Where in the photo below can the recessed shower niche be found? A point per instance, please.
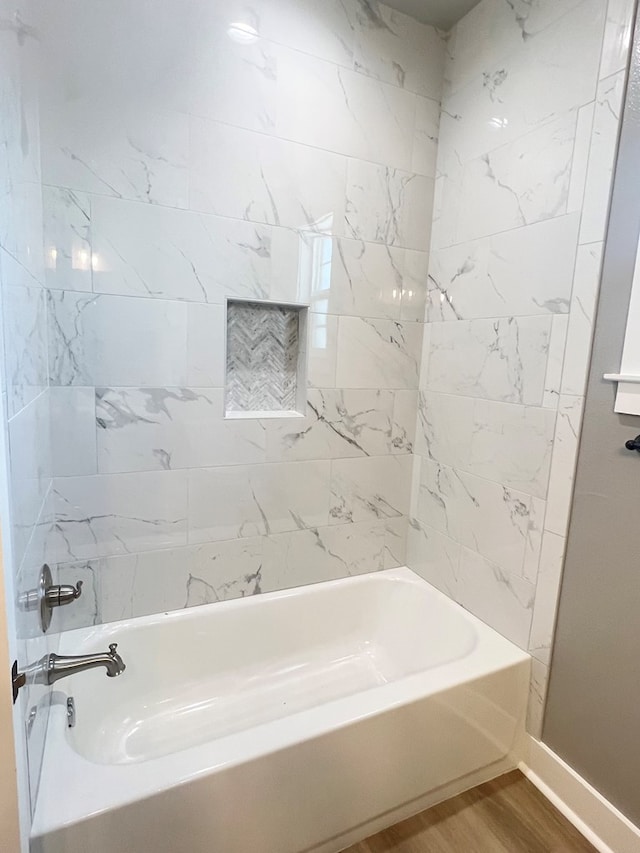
(266, 359)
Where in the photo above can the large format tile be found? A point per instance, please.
(506, 443)
(330, 107)
(378, 353)
(338, 423)
(143, 155)
(504, 102)
(67, 239)
(398, 49)
(484, 516)
(525, 271)
(387, 205)
(374, 488)
(245, 175)
(30, 470)
(434, 556)
(250, 500)
(115, 340)
(146, 429)
(25, 344)
(522, 182)
(494, 30)
(366, 280)
(73, 431)
(503, 359)
(500, 599)
(161, 252)
(118, 514)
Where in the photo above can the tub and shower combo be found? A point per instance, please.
(300, 720)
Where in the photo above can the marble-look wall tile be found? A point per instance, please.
(235, 83)
(330, 107)
(262, 179)
(339, 423)
(580, 164)
(493, 31)
(617, 37)
(73, 431)
(503, 600)
(405, 411)
(205, 346)
(586, 284)
(322, 348)
(25, 344)
(537, 698)
(142, 156)
(29, 469)
(525, 271)
(150, 345)
(518, 184)
(434, 556)
(326, 553)
(483, 516)
(547, 593)
(330, 36)
(393, 47)
(374, 488)
(254, 500)
(161, 252)
(503, 359)
(425, 144)
(503, 102)
(147, 429)
(118, 513)
(299, 168)
(563, 463)
(67, 239)
(606, 125)
(555, 360)
(387, 205)
(415, 286)
(141, 584)
(377, 353)
(132, 585)
(366, 280)
(486, 438)
(533, 547)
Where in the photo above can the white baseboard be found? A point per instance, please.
(596, 818)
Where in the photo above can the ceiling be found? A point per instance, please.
(441, 13)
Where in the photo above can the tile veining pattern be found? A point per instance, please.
(262, 357)
(297, 166)
(528, 129)
(25, 466)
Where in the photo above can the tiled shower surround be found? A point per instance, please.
(296, 167)
(299, 167)
(529, 124)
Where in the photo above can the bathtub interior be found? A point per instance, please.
(195, 677)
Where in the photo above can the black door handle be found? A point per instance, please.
(633, 444)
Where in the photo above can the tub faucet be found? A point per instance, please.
(52, 668)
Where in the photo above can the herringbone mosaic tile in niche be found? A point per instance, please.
(262, 357)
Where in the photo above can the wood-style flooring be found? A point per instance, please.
(507, 815)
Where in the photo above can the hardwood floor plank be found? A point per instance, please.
(506, 815)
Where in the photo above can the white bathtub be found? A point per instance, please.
(293, 721)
